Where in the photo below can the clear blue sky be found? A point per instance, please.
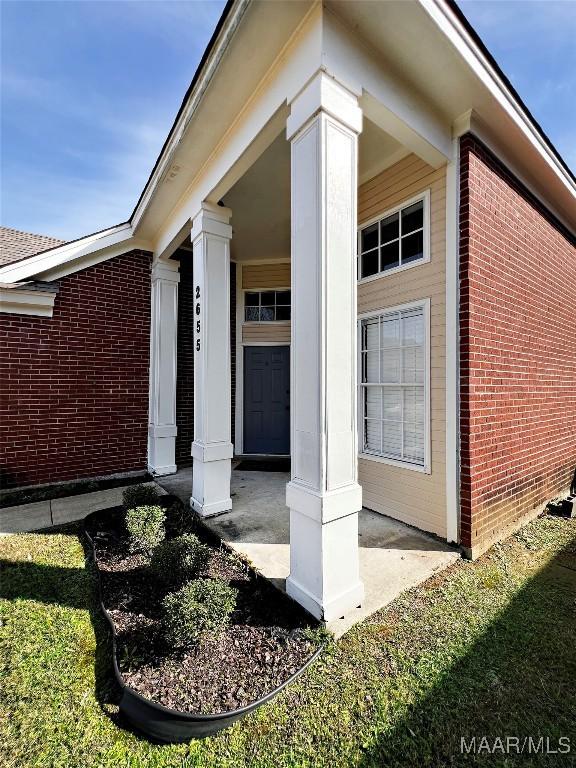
(90, 89)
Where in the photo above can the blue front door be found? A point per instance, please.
(267, 400)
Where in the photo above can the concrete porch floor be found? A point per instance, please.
(393, 556)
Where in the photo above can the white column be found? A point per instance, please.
(162, 401)
(212, 447)
(323, 495)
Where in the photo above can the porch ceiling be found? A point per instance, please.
(260, 204)
(260, 200)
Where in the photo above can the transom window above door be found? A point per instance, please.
(397, 240)
(266, 306)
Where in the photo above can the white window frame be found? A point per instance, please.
(264, 322)
(425, 468)
(423, 197)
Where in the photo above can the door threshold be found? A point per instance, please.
(241, 456)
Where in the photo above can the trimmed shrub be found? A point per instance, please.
(179, 519)
(176, 561)
(199, 608)
(145, 526)
(140, 496)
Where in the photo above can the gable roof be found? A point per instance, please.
(16, 245)
(449, 7)
(460, 15)
(125, 234)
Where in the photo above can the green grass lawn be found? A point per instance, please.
(486, 648)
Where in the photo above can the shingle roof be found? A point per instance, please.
(16, 245)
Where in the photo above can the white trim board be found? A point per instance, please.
(72, 257)
(340, 56)
(19, 301)
(452, 383)
(471, 123)
(452, 27)
(179, 128)
(239, 385)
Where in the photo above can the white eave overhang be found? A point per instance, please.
(216, 50)
(559, 193)
(72, 257)
(30, 298)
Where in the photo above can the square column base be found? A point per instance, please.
(161, 453)
(211, 487)
(336, 608)
(170, 469)
(324, 564)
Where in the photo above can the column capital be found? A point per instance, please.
(211, 220)
(323, 93)
(166, 270)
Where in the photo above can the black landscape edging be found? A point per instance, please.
(163, 724)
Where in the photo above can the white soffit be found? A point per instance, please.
(451, 71)
(246, 51)
(71, 257)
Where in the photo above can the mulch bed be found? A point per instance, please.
(265, 643)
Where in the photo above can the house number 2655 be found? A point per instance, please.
(197, 310)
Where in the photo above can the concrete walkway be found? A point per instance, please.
(44, 514)
(393, 556)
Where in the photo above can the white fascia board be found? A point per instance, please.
(90, 259)
(387, 100)
(470, 122)
(218, 50)
(453, 29)
(19, 301)
(46, 263)
(294, 66)
(71, 257)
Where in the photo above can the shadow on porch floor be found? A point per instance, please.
(393, 556)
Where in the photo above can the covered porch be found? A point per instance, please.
(270, 230)
(393, 557)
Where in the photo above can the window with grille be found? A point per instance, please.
(266, 306)
(393, 385)
(398, 239)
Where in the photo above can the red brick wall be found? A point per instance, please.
(74, 387)
(518, 350)
(185, 363)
